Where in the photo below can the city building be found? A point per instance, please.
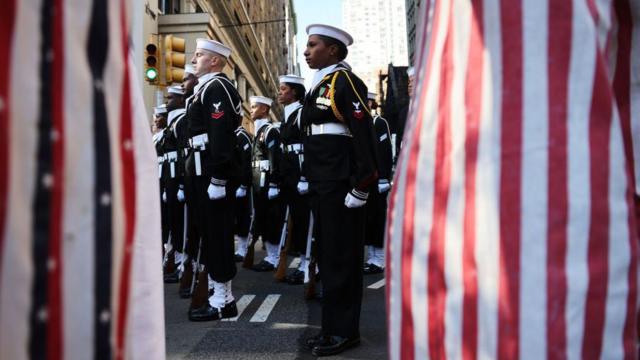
(261, 34)
(412, 19)
(378, 29)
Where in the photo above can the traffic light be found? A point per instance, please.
(175, 58)
(151, 63)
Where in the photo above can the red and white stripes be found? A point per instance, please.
(511, 225)
(87, 306)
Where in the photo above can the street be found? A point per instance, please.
(273, 321)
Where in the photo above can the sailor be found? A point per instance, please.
(294, 184)
(243, 193)
(340, 165)
(377, 202)
(213, 115)
(159, 124)
(267, 202)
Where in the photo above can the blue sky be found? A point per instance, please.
(312, 12)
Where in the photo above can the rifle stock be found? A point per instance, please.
(285, 238)
(310, 288)
(187, 277)
(247, 263)
(201, 292)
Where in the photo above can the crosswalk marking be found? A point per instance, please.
(242, 304)
(265, 308)
(377, 284)
(295, 263)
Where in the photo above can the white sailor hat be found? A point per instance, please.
(189, 69)
(290, 78)
(330, 31)
(261, 100)
(371, 95)
(159, 110)
(213, 46)
(411, 71)
(175, 90)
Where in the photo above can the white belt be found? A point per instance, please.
(171, 156)
(264, 165)
(294, 148)
(199, 142)
(330, 129)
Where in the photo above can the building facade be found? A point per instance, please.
(261, 34)
(412, 7)
(378, 29)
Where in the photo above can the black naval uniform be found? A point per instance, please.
(243, 204)
(268, 214)
(213, 116)
(377, 202)
(339, 160)
(291, 166)
(158, 140)
(174, 178)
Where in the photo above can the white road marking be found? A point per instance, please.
(242, 304)
(376, 285)
(265, 308)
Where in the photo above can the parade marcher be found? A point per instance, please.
(189, 81)
(267, 202)
(340, 166)
(213, 114)
(173, 194)
(159, 124)
(294, 184)
(243, 198)
(377, 201)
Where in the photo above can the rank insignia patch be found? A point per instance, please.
(357, 112)
(218, 113)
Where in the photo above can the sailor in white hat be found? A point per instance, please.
(341, 168)
(377, 201)
(189, 80)
(213, 114)
(294, 184)
(267, 203)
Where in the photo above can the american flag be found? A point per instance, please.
(80, 272)
(511, 227)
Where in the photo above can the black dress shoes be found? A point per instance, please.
(263, 266)
(238, 258)
(295, 278)
(370, 269)
(209, 313)
(313, 341)
(332, 345)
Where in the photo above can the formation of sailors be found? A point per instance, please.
(313, 185)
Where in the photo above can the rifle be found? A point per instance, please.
(200, 294)
(169, 262)
(310, 271)
(248, 258)
(187, 268)
(284, 245)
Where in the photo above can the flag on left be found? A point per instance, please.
(80, 272)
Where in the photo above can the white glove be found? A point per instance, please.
(241, 192)
(273, 192)
(180, 194)
(216, 192)
(164, 195)
(303, 186)
(383, 186)
(355, 199)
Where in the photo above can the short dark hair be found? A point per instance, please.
(298, 89)
(342, 48)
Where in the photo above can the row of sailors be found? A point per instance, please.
(325, 168)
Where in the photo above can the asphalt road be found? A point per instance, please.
(272, 326)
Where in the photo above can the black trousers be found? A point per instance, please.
(193, 224)
(175, 212)
(243, 215)
(268, 217)
(376, 218)
(164, 213)
(215, 222)
(340, 232)
(299, 211)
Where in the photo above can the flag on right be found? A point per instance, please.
(512, 228)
